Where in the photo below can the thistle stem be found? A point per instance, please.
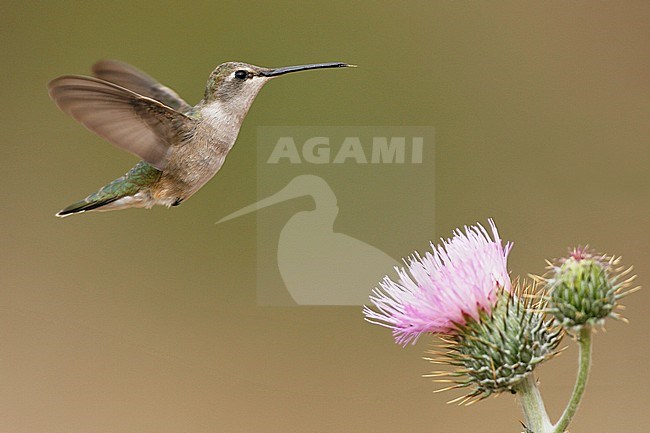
(584, 343)
(532, 405)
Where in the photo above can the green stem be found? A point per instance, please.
(584, 342)
(532, 405)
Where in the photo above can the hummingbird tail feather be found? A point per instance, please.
(126, 191)
(85, 205)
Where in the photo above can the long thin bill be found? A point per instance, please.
(288, 69)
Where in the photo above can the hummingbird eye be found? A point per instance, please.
(241, 74)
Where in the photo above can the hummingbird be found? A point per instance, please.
(181, 146)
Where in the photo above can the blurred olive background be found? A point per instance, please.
(147, 320)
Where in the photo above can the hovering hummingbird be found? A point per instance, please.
(181, 146)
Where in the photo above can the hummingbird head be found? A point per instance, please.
(236, 84)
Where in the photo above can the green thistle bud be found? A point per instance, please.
(495, 352)
(584, 288)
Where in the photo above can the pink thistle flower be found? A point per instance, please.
(455, 281)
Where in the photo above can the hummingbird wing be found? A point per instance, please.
(134, 79)
(135, 123)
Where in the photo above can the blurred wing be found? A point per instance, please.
(134, 79)
(133, 122)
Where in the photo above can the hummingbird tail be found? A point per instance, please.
(85, 205)
(121, 193)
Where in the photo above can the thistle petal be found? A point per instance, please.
(440, 291)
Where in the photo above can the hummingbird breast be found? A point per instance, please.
(193, 162)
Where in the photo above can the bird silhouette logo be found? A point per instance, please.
(318, 265)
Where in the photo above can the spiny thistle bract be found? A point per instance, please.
(583, 288)
(495, 352)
